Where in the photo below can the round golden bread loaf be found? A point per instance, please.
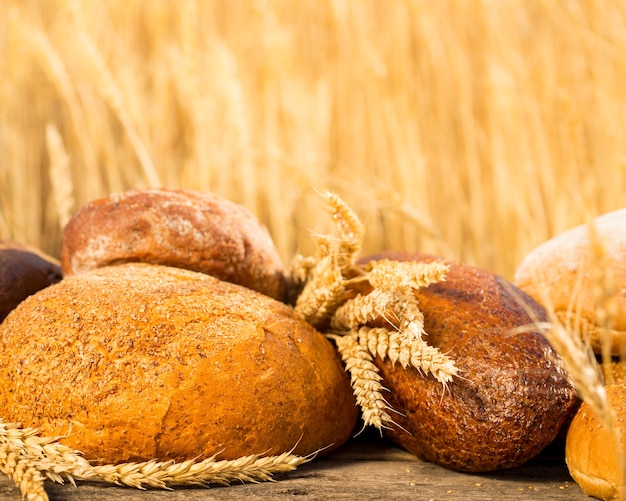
(562, 272)
(591, 452)
(198, 231)
(23, 271)
(138, 361)
(510, 398)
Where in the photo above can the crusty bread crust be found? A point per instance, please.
(138, 361)
(24, 270)
(511, 396)
(560, 274)
(199, 231)
(590, 449)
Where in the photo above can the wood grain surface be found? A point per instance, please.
(367, 468)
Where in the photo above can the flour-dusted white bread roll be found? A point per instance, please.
(138, 361)
(195, 230)
(591, 451)
(561, 271)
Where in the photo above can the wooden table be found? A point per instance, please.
(367, 468)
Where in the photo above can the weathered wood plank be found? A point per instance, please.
(366, 469)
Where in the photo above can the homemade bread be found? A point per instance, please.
(591, 451)
(23, 271)
(187, 229)
(138, 361)
(561, 274)
(511, 396)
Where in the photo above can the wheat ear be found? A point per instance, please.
(364, 378)
(251, 468)
(362, 309)
(405, 275)
(351, 230)
(322, 293)
(29, 459)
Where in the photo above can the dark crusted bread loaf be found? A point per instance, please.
(138, 361)
(23, 271)
(194, 230)
(511, 396)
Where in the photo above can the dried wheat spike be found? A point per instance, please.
(407, 316)
(324, 246)
(408, 351)
(427, 359)
(375, 339)
(301, 268)
(20, 467)
(403, 341)
(409, 347)
(386, 274)
(30, 481)
(365, 380)
(351, 231)
(322, 302)
(322, 293)
(252, 468)
(363, 309)
(393, 352)
(27, 458)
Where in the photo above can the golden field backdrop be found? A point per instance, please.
(473, 129)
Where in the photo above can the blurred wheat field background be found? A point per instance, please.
(474, 129)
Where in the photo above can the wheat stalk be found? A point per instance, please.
(365, 380)
(604, 294)
(155, 474)
(328, 299)
(28, 459)
(570, 342)
(322, 293)
(376, 340)
(363, 309)
(406, 275)
(351, 230)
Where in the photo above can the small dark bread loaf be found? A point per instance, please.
(511, 396)
(194, 230)
(137, 361)
(23, 271)
(562, 273)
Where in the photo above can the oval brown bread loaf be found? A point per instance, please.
(24, 270)
(188, 229)
(591, 453)
(511, 396)
(563, 272)
(138, 361)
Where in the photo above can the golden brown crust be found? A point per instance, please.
(187, 229)
(511, 397)
(23, 271)
(590, 449)
(561, 272)
(614, 372)
(140, 361)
